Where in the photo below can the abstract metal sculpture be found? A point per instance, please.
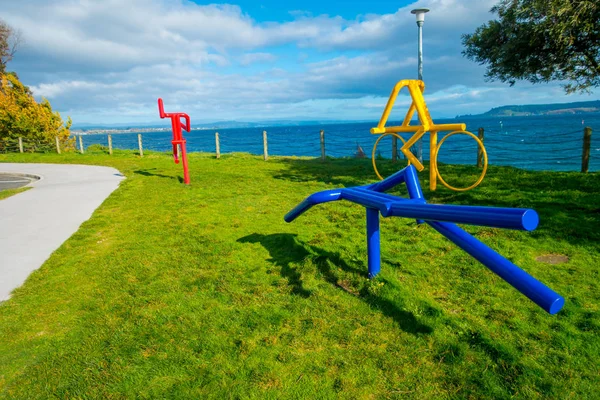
(442, 218)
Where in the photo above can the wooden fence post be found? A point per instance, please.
(265, 146)
(81, 144)
(57, 144)
(587, 143)
(323, 157)
(140, 145)
(20, 144)
(394, 149)
(110, 145)
(217, 145)
(479, 152)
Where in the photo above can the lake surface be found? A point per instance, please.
(536, 143)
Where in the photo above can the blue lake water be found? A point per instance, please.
(536, 142)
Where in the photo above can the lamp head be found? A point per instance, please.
(420, 13)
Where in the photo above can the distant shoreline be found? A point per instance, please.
(492, 114)
(128, 130)
(532, 110)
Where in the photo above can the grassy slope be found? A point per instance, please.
(204, 291)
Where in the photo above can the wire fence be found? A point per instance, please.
(24, 145)
(535, 149)
(555, 151)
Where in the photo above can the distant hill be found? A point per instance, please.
(582, 107)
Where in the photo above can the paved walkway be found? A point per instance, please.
(35, 223)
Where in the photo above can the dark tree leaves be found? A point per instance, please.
(540, 41)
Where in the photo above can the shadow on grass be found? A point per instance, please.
(146, 172)
(568, 202)
(340, 172)
(285, 249)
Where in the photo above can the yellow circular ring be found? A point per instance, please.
(485, 161)
(375, 148)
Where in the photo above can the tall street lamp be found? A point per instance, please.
(420, 14)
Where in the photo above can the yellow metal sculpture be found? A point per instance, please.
(416, 88)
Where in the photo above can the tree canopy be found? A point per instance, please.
(10, 40)
(21, 116)
(540, 41)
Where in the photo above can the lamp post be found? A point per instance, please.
(420, 14)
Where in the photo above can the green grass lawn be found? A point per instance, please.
(6, 193)
(203, 291)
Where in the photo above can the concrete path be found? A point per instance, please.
(33, 224)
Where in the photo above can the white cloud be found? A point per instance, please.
(113, 34)
(113, 59)
(251, 58)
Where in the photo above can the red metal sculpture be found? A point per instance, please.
(178, 139)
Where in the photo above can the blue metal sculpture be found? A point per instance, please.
(442, 219)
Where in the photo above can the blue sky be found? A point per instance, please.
(107, 61)
(284, 10)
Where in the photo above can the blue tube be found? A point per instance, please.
(386, 197)
(412, 183)
(413, 186)
(495, 217)
(390, 181)
(373, 243)
(536, 291)
(407, 175)
(314, 199)
(367, 199)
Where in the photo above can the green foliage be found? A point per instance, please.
(21, 116)
(172, 291)
(540, 41)
(97, 148)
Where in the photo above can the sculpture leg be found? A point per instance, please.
(186, 173)
(175, 151)
(373, 245)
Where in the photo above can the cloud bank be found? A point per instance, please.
(108, 61)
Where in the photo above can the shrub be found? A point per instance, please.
(22, 116)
